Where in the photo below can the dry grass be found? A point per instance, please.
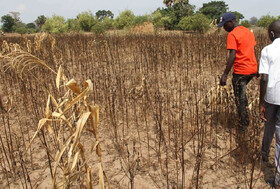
(145, 28)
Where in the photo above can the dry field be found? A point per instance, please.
(132, 111)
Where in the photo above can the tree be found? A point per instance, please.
(167, 2)
(157, 19)
(102, 26)
(265, 21)
(21, 30)
(214, 9)
(175, 2)
(181, 6)
(108, 23)
(98, 28)
(55, 24)
(101, 14)
(8, 23)
(15, 16)
(253, 20)
(86, 20)
(19, 27)
(40, 21)
(169, 18)
(246, 24)
(124, 20)
(174, 12)
(30, 26)
(141, 19)
(73, 25)
(197, 22)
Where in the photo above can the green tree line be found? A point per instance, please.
(176, 15)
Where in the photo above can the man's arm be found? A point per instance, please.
(263, 86)
(230, 62)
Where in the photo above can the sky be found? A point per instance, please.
(31, 9)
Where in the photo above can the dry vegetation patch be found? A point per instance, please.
(163, 120)
(145, 28)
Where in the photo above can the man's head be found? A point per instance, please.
(228, 21)
(274, 30)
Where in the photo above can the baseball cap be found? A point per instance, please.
(225, 18)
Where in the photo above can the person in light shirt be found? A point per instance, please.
(269, 69)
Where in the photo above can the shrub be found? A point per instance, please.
(157, 19)
(265, 21)
(73, 25)
(108, 23)
(197, 22)
(102, 26)
(31, 25)
(246, 24)
(21, 30)
(86, 20)
(98, 28)
(8, 23)
(138, 20)
(31, 30)
(124, 20)
(55, 24)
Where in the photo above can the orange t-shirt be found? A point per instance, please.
(243, 41)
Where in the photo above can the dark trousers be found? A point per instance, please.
(239, 83)
(272, 115)
(272, 125)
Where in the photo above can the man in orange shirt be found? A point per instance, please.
(241, 45)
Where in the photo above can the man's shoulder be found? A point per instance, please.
(241, 29)
(271, 50)
(268, 48)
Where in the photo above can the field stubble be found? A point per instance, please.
(164, 121)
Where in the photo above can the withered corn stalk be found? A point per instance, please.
(73, 117)
(66, 120)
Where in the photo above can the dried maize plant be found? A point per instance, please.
(8, 48)
(23, 62)
(5, 47)
(39, 39)
(44, 47)
(253, 103)
(67, 121)
(218, 95)
(29, 46)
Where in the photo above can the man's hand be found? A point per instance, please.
(262, 112)
(223, 80)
